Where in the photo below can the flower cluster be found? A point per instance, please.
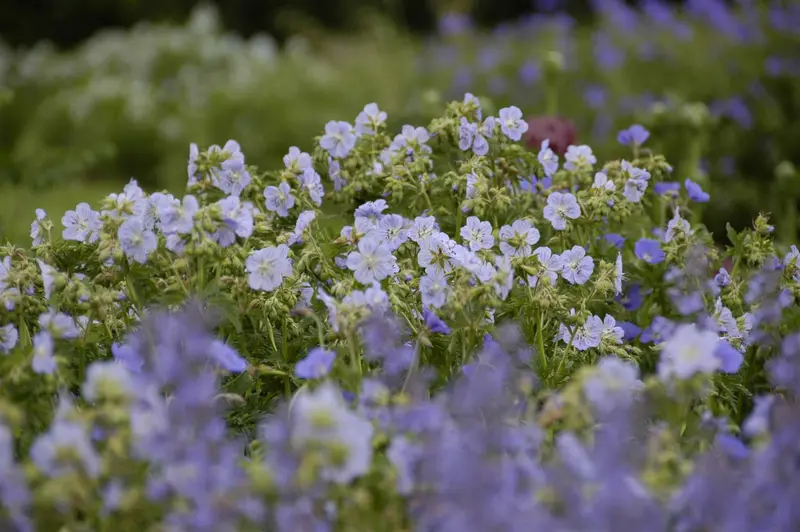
(346, 295)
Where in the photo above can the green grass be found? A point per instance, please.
(18, 206)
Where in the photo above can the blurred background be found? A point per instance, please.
(93, 93)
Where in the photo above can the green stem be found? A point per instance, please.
(287, 382)
(540, 338)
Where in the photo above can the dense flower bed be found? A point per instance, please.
(501, 339)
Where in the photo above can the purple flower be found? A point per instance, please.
(547, 158)
(279, 199)
(339, 139)
(372, 262)
(722, 278)
(612, 384)
(649, 251)
(303, 221)
(630, 330)
(517, 238)
(477, 234)
(635, 135)
(37, 228)
(311, 183)
(316, 365)
(696, 193)
(370, 119)
(297, 161)
(511, 123)
(561, 206)
(577, 266)
(83, 224)
(267, 267)
(579, 158)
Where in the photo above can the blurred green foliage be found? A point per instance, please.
(127, 103)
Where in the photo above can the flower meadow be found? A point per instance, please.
(436, 328)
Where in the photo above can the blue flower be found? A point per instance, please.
(635, 135)
(696, 193)
(8, 338)
(279, 199)
(316, 365)
(561, 206)
(667, 188)
(577, 266)
(511, 123)
(339, 139)
(391, 231)
(226, 357)
(730, 358)
(372, 262)
(615, 240)
(649, 251)
(137, 241)
(237, 220)
(434, 323)
(267, 267)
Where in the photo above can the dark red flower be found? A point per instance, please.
(560, 131)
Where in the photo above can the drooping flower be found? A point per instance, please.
(696, 193)
(634, 136)
(37, 229)
(310, 182)
(267, 267)
(547, 158)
